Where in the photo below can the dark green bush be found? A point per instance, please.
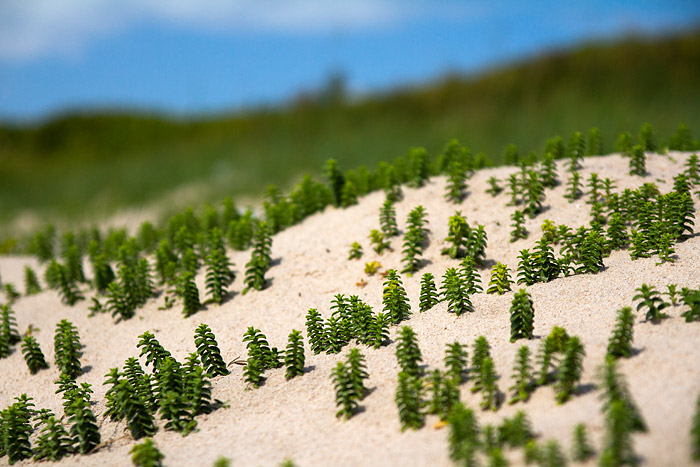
(53, 442)
(260, 259)
(454, 292)
(67, 349)
(394, 299)
(581, 449)
(16, 429)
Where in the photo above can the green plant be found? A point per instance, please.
(387, 219)
(494, 188)
(219, 274)
(573, 187)
(379, 241)
(458, 232)
(456, 182)
(581, 449)
(358, 371)
(127, 403)
(372, 267)
(315, 331)
(618, 448)
(378, 331)
(533, 194)
(150, 347)
(463, 436)
(476, 246)
(500, 280)
(649, 298)
(692, 299)
(8, 330)
(482, 350)
(258, 348)
(67, 349)
(617, 233)
(414, 239)
(595, 142)
(455, 361)
(74, 264)
(444, 394)
(614, 389)
(548, 171)
(83, 428)
(346, 395)
(638, 161)
(31, 283)
(409, 401)
(259, 260)
(53, 442)
(519, 230)
(146, 454)
(570, 369)
(620, 343)
(208, 351)
(294, 355)
(70, 294)
(454, 292)
(355, 251)
(428, 292)
(514, 190)
(253, 372)
(33, 354)
(489, 388)
(522, 316)
(348, 195)
(551, 455)
(546, 357)
(11, 293)
(646, 137)
(695, 433)
(544, 262)
(692, 169)
(522, 376)
(575, 151)
(394, 299)
(187, 289)
(516, 431)
(407, 352)
(16, 429)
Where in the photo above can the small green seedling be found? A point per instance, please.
(581, 449)
(294, 355)
(146, 454)
(409, 401)
(428, 292)
(522, 376)
(208, 351)
(522, 316)
(33, 355)
(649, 298)
(355, 251)
(620, 343)
(500, 281)
(407, 352)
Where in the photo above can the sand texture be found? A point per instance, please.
(296, 419)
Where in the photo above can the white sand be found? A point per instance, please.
(295, 419)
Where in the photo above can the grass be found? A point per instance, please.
(82, 165)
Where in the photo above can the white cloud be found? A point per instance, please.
(31, 29)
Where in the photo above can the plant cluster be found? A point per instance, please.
(348, 379)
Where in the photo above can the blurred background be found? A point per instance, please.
(108, 106)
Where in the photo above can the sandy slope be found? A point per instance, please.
(296, 419)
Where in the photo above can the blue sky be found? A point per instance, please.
(201, 56)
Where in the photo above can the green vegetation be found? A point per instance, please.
(428, 292)
(146, 454)
(522, 316)
(208, 351)
(522, 376)
(456, 361)
(67, 349)
(355, 251)
(414, 240)
(581, 449)
(454, 292)
(294, 355)
(570, 369)
(649, 298)
(620, 343)
(409, 401)
(33, 355)
(407, 352)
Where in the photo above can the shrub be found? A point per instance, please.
(358, 371)
(407, 352)
(500, 280)
(581, 449)
(519, 230)
(522, 316)
(428, 292)
(617, 233)
(590, 254)
(378, 331)
(620, 343)
(387, 219)
(189, 293)
(546, 358)
(692, 169)
(294, 355)
(355, 251)
(409, 402)
(259, 349)
(522, 376)
(348, 195)
(394, 298)
(33, 355)
(315, 331)
(526, 268)
(514, 190)
(649, 298)
(132, 407)
(31, 283)
(476, 246)
(454, 292)
(208, 351)
(455, 361)
(253, 372)
(146, 454)
(570, 370)
(543, 261)
(419, 168)
(67, 349)
(260, 259)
